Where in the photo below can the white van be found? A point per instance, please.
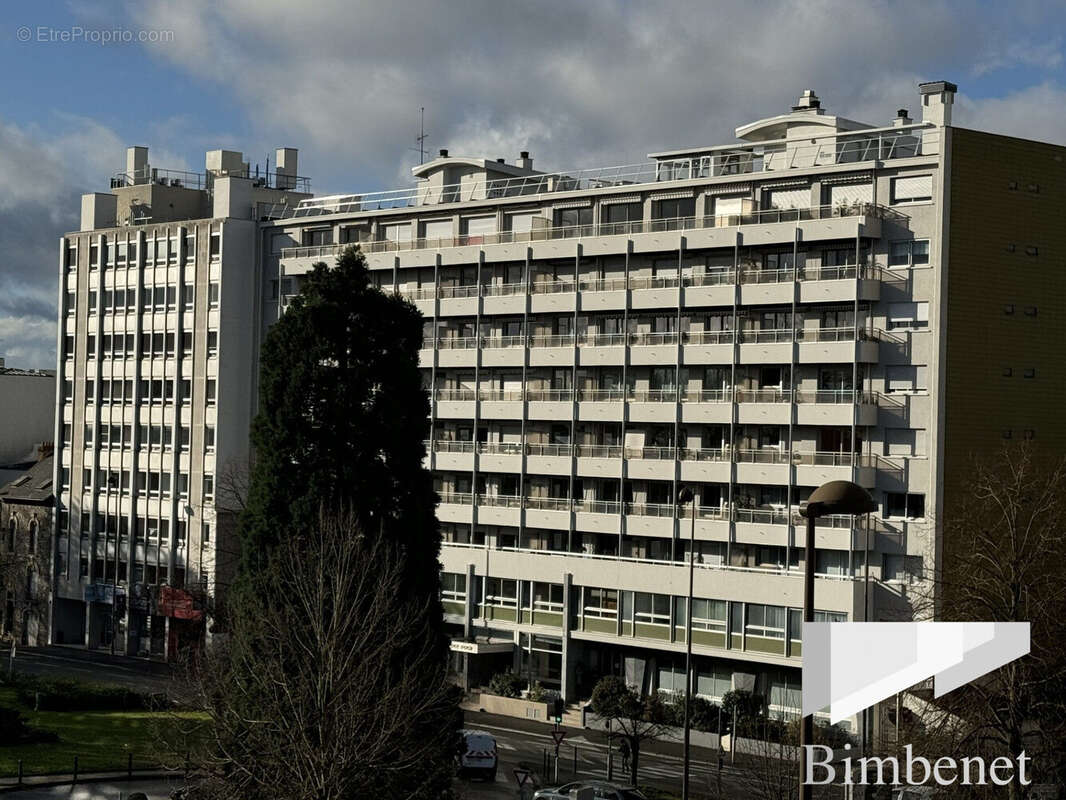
(478, 755)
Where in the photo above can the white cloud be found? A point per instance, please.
(1036, 112)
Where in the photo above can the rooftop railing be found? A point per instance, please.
(852, 148)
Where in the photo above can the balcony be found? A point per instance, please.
(836, 407)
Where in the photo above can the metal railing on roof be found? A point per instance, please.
(853, 148)
(551, 233)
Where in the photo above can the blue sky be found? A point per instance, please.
(577, 83)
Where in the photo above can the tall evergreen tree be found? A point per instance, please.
(342, 420)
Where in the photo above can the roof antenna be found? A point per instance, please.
(422, 136)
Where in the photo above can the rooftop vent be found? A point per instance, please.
(902, 113)
(524, 161)
(808, 101)
(443, 153)
(501, 161)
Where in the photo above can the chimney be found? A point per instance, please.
(808, 101)
(443, 152)
(937, 99)
(902, 118)
(524, 161)
(500, 161)
(137, 164)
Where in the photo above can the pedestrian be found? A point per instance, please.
(623, 751)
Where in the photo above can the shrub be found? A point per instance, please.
(63, 694)
(506, 684)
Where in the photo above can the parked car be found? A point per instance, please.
(478, 755)
(601, 790)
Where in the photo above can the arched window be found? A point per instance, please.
(34, 527)
(11, 528)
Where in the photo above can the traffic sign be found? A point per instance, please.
(522, 776)
(558, 736)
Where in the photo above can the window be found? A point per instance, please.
(1030, 311)
(1007, 372)
(187, 295)
(1008, 309)
(71, 304)
(479, 226)
(906, 253)
(1032, 250)
(616, 213)
(573, 217)
(601, 603)
(765, 621)
(212, 295)
(1029, 372)
(453, 587)
(908, 315)
(215, 248)
(209, 487)
(787, 198)
(651, 609)
(318, 237)
(210, 391)
(901, 569)
(501, 592)
(209, 438)
(212, 344)
(68, 346)
(675, 208)
(912, 189)
(709, 615)
(906, 506)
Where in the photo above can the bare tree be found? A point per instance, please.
(1005, 561)
(331, 684)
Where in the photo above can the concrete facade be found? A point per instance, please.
(27, 413)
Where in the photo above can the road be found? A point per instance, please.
(522, 744)
(94, 666)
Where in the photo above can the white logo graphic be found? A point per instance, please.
(849, 666)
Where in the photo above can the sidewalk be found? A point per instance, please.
(45, 781)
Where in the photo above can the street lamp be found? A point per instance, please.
(834, 497)
(686, 495)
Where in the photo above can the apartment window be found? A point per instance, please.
(319, 237)
(709, 615)
(1008, 309)
(71, 304)
(212, 295)
(183, 484)
(906, 253)
(453, 587)
(70, 259)
(573, 217)
(68, 346)
(1028, 434)
(906, 506)
(183, 438)
(614, 213)
(1030, 311)
(651, 609)
(185, 391)
(901, 569)
(210, 391)
(601, 603)
(206, 532)
(765, 621)
(1032, 250)
(431, 229)
(212, 344)
(912, 189)
(396, 232)
(209, 487)
(66, 434)
(186, 343)
(1030, 372)
(908, 315)
(215, 248)
(92, 302)
(68, 391)
(1007, 372)
(209, 438)
(187, 295)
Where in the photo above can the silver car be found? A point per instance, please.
(601, 790)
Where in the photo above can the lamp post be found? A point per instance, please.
(834, 497)
(686, 495)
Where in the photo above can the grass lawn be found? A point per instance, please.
(102, 740)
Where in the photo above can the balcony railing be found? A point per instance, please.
(762, 455)
(636, 227)
(602, 339)
(549, 449)
(599, 451)
(765, 335)
(773, 395)
(501, 448)
(641, 339)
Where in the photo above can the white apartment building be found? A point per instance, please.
(156, 374)
(750, 320)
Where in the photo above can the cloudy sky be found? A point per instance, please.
(578, 83)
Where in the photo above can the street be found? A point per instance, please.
(522, 744)
(91, 666)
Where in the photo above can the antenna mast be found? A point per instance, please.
(422, 136)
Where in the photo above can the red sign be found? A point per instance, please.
(176, 603)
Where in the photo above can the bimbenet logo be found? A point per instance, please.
(850, 666)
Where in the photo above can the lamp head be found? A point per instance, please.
(838, 497)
